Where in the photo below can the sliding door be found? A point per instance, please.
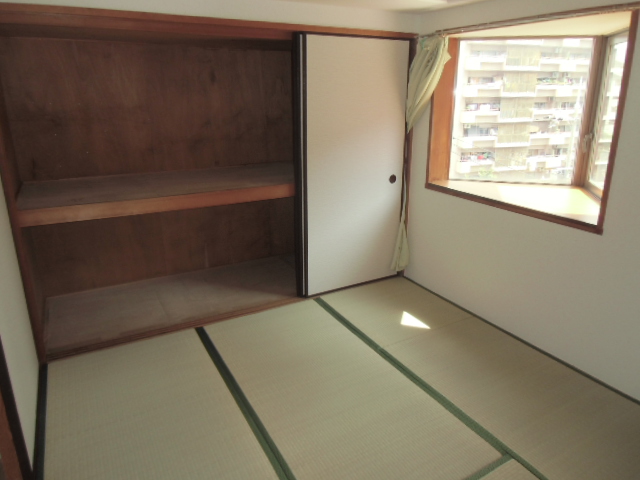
(351, 131)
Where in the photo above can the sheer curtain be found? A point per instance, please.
(424, 75)
(401, 252)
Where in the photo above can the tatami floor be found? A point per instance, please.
(382, 381)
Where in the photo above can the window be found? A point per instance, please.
(529, 122)
(608, 102)
(527, 114)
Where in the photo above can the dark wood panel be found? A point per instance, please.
(108, 108)
(277, 89)
(107, 316)
(101, 34)
(79, 256)
(85, 21)
(8, 166)
(281, 227)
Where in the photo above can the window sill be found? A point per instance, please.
(566, 205)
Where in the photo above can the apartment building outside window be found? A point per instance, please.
(535, 90)
(531, 110)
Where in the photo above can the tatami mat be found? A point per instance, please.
(336, 409)
(566, 425)
(155, 409)
(387, 304)
(511, 470)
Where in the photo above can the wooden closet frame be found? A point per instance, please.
(13, 449)
(39, 21)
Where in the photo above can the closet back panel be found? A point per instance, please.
(84, 108)
(72, 257)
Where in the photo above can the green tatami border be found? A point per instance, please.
(492, 467)
(482, 432)
(269, 447)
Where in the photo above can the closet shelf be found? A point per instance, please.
(91, 198)
(107, 316)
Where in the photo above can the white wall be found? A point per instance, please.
(574, 294)
(262, 10)
(15, 330)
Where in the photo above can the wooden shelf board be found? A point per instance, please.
(78, 199)
(108, 316)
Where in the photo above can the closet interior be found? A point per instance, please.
(149, 179)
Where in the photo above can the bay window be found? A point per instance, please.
(530, 122)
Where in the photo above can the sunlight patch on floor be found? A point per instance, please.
(409, 320)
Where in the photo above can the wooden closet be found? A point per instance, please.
(150, 179)
(148, 166)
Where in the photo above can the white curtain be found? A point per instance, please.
(401, 252)
(424, 74)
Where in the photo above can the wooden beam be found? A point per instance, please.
(441, 122)
(84, 21)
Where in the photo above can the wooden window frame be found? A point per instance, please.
(590, 151)
(441, 127)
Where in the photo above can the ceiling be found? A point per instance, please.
(393, 5)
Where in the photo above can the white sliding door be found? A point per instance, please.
(355, 130)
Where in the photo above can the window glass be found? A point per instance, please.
(607, 110)
(518, 109)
